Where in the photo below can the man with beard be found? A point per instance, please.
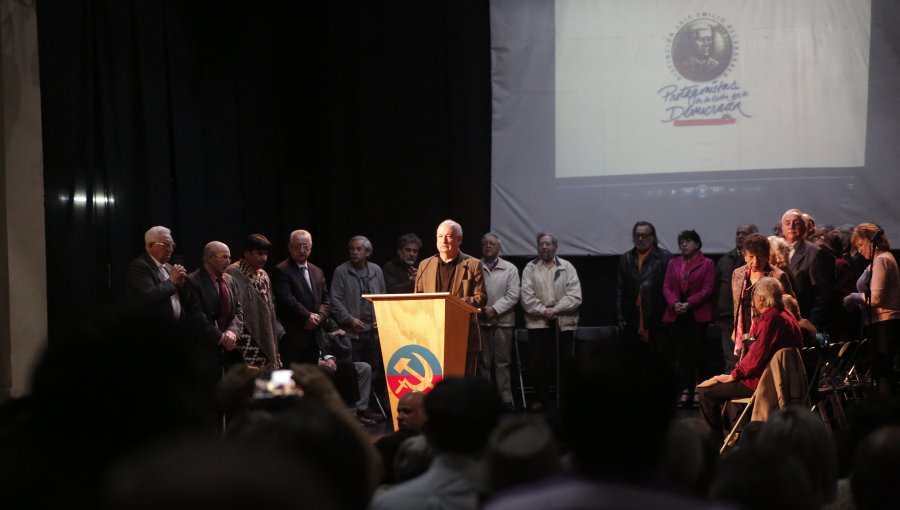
(551, 296)
(400, 271)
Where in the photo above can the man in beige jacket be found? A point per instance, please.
(551, 295)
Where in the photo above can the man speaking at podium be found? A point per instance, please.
(457, 273)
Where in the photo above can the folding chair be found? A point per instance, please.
(783, 383)
(839, 382)
(584, 336)
(747, 402)
(520, 336)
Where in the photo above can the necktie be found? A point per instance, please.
(304, 271)
(224, 305)
(174, 298)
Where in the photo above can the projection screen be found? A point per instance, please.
(691, 114)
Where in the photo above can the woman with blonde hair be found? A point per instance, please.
(780, 254)
(878, 300)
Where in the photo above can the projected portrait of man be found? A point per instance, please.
(694, 50)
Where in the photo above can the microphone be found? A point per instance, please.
(419, 275)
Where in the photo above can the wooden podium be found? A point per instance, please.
(424, 338)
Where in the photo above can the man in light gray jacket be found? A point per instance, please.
(498, 317)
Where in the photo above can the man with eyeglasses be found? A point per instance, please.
(639, 297)
(302, 302)
(156, 287)
(216, 296)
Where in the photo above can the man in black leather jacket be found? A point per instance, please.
(639, 298)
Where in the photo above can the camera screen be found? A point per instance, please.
(278, 383)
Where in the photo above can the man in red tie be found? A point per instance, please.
(215, 294)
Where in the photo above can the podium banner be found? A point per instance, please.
(423, 340)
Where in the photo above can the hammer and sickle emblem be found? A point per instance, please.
(425, 380)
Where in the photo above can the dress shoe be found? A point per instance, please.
(371, 415)
(364, 420)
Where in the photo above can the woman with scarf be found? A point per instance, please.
(756, 251)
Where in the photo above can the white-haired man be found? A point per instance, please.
(155, 286)
(453, 271)
(812, 269)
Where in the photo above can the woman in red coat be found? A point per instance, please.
(688, 287)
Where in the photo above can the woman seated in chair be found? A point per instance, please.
(774, 329)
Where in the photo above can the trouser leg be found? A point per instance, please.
(486, 356)
(713, 398)
(540, 350)
(502, 339)
(364, 383)
(725, 331)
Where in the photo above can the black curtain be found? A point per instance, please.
(220, 118)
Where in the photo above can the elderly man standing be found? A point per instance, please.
(354, 314)
(258, 342)
(457, 273)
(156, 287)
(551, 296)
(498, 318)
(400, 271)
(301, 302)
(216, 297)
(812, 269)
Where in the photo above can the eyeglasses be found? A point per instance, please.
(641, 237)
(164, 245)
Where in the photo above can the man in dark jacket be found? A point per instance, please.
(639, 299)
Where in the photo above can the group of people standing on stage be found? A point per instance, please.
(269, 320)
(292, 314)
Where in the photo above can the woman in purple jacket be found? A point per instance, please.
(688, 288)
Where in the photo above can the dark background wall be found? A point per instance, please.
(221, 118)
